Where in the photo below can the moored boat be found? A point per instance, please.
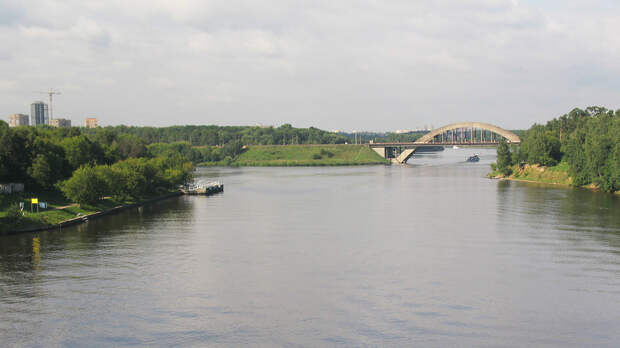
(474, 158)
(203, 189)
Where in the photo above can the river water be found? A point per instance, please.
(428, 254)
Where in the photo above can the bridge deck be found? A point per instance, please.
(488, 143)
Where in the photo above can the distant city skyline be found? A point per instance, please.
(366, 65)
(40, 115)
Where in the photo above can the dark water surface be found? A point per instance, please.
(431, 254)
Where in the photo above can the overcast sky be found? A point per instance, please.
(334, 64)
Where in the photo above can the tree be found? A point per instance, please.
(541, 146)
(86, 185)
(80, 150)
(574, 155)
(504, 158)
(599, 149)
(232, 149)
(41, 171)
(129, 145)
(5, 140)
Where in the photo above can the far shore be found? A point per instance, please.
(303, 156)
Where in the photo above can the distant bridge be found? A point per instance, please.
(459, 134)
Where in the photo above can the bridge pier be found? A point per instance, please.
(388, 152)
(380, 151)
(404, 156)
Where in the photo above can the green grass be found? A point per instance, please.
(558, 174)
(52, 215)
(308, 155)
(552, 175)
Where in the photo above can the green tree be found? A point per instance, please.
(504, 158)
(599, 151)
(232, 149)
(130, 145)
(5, 140)
(574, 155)
(541, 147)
(86, 185)
(80, 150)
(41, 172)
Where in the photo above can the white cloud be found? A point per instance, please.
(332, 64)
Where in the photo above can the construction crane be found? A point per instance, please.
(50, 93)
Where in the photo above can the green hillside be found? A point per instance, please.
(308, 155)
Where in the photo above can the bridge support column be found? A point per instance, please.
(404, 156)
(380, 151)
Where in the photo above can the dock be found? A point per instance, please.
(203, 189)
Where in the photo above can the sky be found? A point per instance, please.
(336, 65)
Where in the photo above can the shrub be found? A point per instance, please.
(13, 215)
(327, 153)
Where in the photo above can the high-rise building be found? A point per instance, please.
(91, 122)
(39, 113)
(17, 120)
(60, 122)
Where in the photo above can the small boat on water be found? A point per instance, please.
(474, 158)
(203, 189)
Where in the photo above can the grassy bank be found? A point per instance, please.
(59, 210)
(305, 155)
(557, 175)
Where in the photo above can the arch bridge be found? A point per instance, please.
(464, 134)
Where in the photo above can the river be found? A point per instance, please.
(427, 254)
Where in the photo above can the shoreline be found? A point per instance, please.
(535, 182)
(590, 187)
(96, 215)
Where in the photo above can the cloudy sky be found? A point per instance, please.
(334, 64)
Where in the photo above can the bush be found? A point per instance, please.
(316, 156)
(327, 153)
(13, 215)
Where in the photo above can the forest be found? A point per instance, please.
(211, 135)
(41, 157)
(586, 141)
(221, 135)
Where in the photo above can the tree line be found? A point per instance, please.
(211, 135)
(588, 141)
(221, 135)
(87, 167)
(45, 158)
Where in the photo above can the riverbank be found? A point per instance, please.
(304, 155)
(555, 175)
(75, 214)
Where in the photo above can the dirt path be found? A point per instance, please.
(66, 206)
